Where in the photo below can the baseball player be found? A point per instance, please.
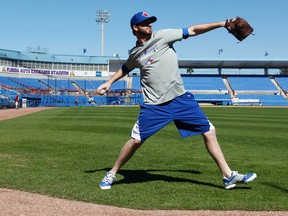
(165, 99)
(16, 99)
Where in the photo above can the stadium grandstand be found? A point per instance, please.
(44, 79)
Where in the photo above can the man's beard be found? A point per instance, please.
(145, 34)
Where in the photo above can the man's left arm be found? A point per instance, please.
(203, 28)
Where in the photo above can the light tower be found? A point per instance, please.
(102, 16)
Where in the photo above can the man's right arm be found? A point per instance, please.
(118, 75)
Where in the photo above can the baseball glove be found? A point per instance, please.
(238, 27)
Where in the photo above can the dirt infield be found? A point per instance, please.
(13, 113)
(19, 203)
(16, 203)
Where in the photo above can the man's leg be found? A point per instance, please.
(230, 178)
(216, 153)
(125, 154)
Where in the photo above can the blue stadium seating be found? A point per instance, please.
(7, 81)
(120, 84)
(264, 99)
(218, 99)
(31, 83)
(251, 83)
(283, 82)
(203, 83)
(85, 85)
(206, 89)
(136, 83)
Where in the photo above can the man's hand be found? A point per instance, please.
(102, 89)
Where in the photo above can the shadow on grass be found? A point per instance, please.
(142, 176)
(282, 189)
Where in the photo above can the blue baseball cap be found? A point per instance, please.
(141, 17)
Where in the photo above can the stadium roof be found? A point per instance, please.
(248, 64)
(273, 64)
(46, 57)
(114, 62)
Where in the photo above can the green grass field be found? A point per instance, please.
(65, 153)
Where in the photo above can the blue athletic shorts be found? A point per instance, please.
(183, 110)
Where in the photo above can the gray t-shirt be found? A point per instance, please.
(158, 63)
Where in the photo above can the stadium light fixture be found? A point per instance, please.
(102, 16)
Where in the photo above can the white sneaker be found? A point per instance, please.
(238, 178)
(107, 181)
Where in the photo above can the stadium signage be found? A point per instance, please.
(34, 71)
(46, 72)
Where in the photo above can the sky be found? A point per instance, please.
(68, 26)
